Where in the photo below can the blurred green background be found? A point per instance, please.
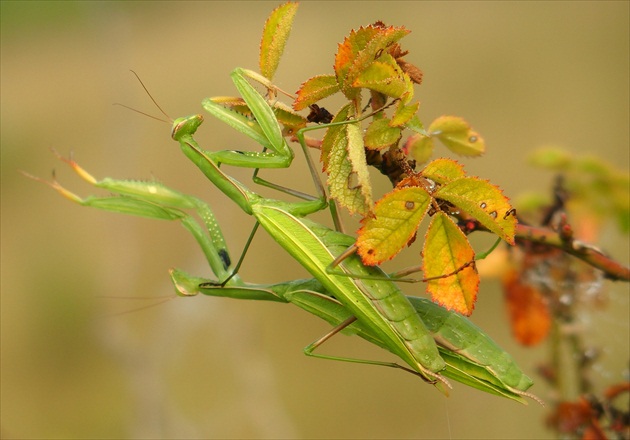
(524, 74)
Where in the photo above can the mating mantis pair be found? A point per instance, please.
(365, 300)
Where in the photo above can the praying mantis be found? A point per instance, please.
(379, 304)
(374, 309)
(472, 357)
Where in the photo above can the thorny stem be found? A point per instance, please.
(533, 235)
(612, 269)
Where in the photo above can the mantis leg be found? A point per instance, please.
(153, 200)
(310, 351)
(456, 335)
(157, 201)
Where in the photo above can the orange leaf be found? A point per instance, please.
(528, 311)
(448, 262)
(569, 417)
(360, 49)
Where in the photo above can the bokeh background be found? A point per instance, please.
(524, 74)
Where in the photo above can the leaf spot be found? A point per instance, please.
(493, 214)
(472, 139)
(509, 213)
(409, 205)
(483, 205)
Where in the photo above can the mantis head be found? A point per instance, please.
(186, 126)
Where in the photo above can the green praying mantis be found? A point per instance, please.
(373, 308)
(376, 303)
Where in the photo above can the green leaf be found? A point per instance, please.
(315, 89)
(415, 125)
(419, 147)
(333, 135)
(555, 159)
(385, 77)
(395, 220)
(443, 171)
(445, 255)
(404, 113)
(358, 182)
(274, 37)
(348, 177)
(456, 134)
(483, 201)
(343, 157)
(380, 134)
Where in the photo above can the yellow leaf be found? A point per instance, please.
(483, 201)
(443, 170)
(274, 37)
(395, 221)
(456, 134)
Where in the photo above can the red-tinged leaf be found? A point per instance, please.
(615, 390)
(274, 37)
(594, 431)
(419, 147)
(404, 113)
(394, 222)
(570, 417)
(347, 53)
(381, 135)
(334, 135)
(315, 89)
(385, 77)
(443, 171)
(361, 48)
(483, 201)
(456, 134)
(448, 261)
(527, 309)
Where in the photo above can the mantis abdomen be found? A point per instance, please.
(461, 336)
(378, 304)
